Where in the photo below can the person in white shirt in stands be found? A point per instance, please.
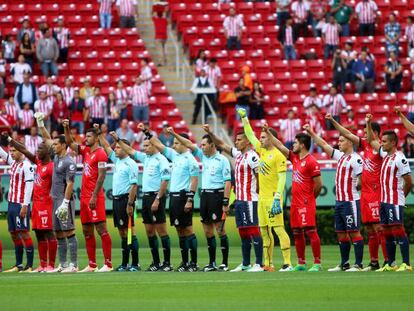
(127, 10)
(2, 74)
(366, 10)
(146, 75)
(334, 103)
(105, 13)
(312, 99)
(62, 36)
(68, 91)
(96, 106)
(289, 128)
(300, 11)
(26, 119)
(202, 81)
(124, 131)
(49, 87)
(233, 29)
(19, 69)
(33, 140)
(330, 35)
(121, 95)
(44, 105)
(139, 97)
(409, 32)
(213, 72)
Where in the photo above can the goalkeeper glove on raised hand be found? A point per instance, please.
(63, 210)
(242, 112)
(276, 207)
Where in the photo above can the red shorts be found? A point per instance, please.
(370, 204)
(92, 216)
(42, 214)
(301, 217)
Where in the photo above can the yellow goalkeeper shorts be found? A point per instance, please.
(265, 219)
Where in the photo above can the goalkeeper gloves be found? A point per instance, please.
(276, 207)
(39, 119)
(62, 210)
(242, 112)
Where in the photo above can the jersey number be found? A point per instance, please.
(44, 220)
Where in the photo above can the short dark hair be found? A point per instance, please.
(304, 139)
(410, 18)
(392, 135)
(93, 131)
(185, 135)
(61, 139)
(208, 137)
(240, 132)
(213, 60)
(376, 127)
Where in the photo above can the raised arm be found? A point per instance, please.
(186, 142)
(248, 129)
(407, 124)
(124, 146)
(22, 148)
(318, 140)
(102, 140)
(153, 139)
(343, 131)
(370, 134)
(217, 141)
(69, 140)
(43, 131)
(276, 142)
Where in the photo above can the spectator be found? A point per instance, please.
(160, 26)
(282, 11)
(9, 48)
(165, 137)
(26, 29)
(318, 9)
(27, 48)
(105, 13)
(26, 92)
(60, 112)
(121, 96)
(256, 102)
(330, 35)
(33, 140)
(392, 32)
(350, 122)
(105, 132)
(233, 29)
(200, 62)
(349, 55)
(289, 128)
(408, 146)
(334, 104)
(203, 82)
(40, 32)
(13, 112)
(68, 91)
(409, 32)
(339, 67)
(127, 9)
(370, 56)
(247, 77)
(412, 70)
(87, 90)
(62, 36)
(78, 112)
(96, 106)
(393, 73)
(140, 101)
(366, 10)
(146, 75)
(49, 87)
(124, 132)
(26, 119)
(300, 11)
(44, 105)
(47, 52)
(243, 94)
(2, 74)
(113, 112)
(315, 121)
(312, 99)
(363, 71)
(213, 72)
(342, 13)
(410, 104)
(287, 37)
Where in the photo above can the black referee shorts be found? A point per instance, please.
(148, 216)
(119, 205)
(211, 205)
(178, 217)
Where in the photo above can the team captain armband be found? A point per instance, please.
(101, 164)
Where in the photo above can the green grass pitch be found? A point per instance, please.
(204, 291)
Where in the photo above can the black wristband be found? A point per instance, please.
(226, 201)
(147, 133)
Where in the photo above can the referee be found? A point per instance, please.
(215, 192)
(184, 180)
(124, 192)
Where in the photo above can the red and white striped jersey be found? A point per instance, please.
(366, 11)
(106, 6)
(233, 25)
(309, 101)
(300, 11)
(97, 106)
(26, 119)
(289, 129)
(62, 36)
(348, 169)
(32, 143)
(331, 33)
(393, 168)
(315, 123)
(289, 36)
(44, 106)
(50, 90)
(12, 110)
(213, 74)
(410, 101)
(335, 104)
(409, 33)
(126, 7)
(146, 76)
(139, 95)
(245, 174)
(121, 96)
(67, 94)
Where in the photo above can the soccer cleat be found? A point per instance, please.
(70, 269)
(286, 268)
(183, 267)
(223, 267)
(26, 269)
(210, 267)
(372, 266)
(354, 268)
(241, 268)
(38, 270)
(388, 268)
(269, 268)
(256, 268)
(317, 267)
(134, 268)
(193, 267)
(56, 270)
(89, 269)
(153, 267)
(404, 267)
(14, 269)
(48, 268)
(105, 268)
(166, 267)
(300, 267)
(339, 268)
(121, 268)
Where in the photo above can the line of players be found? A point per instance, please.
(383, 174)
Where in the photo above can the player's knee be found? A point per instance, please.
(244, 233)
(208, 230)
(297, 231)
(399, 232)
(280, 231)
(343, 237)
(123, 233)
(355, 236)
(369, 228)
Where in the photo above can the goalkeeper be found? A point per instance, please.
(272, 179)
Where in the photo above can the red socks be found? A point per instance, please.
(315, 245)
(107, 248)
(90, 243)
(28, 242)
(373, 245)
(381, 239)
(52, 246)
(300, 245)
(42, 248)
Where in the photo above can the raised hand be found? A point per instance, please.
(65, 123)
(328, 116)
(206, 128)
(114, 135)
(170, 130)
(397, 110)
(368, 118)
(141, 126)
(265, 127)
(241, 112)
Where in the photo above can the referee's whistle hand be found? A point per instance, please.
(92, 203)
(154, 206)
(226, 209)
(188, 206)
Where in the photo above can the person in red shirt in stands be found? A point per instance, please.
(60, 112)
(77, 111)
(350, 122)
(160, 26)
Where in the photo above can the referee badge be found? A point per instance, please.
(121, 222)
(176, 222)
(154, 218)
(214, 216)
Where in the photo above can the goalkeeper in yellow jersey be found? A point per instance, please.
(272, 179)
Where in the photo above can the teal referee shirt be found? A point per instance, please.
(156, 169)
(125, 174)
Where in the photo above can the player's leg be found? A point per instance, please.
(373, 246)
(267, 234)
(12, 217)
(208, 215)
(134, 248)
(106, 241)
(381, 238)
(313, 236)
(51, 248)
(224, 244)
(244, 236)
(300, 245)
(90, 244)
(185, 219)
(166, 246)
(358, 243)
(120, 219)
(28, 245)
(193, 248)
(153, 244)
(256, 237)
(402, 240)
(370, 216)
(344, 241)
(175, 210)
(42, 249)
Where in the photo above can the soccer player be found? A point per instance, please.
(370, 190)
(246, 183)
(396, 183)
(124, 192)
(92, 203)
(42, 211)
(155, 180)
(214, 199)
(272, 179)
(183, 185)
(64, 170)
(347, 221)
(18, 211)
(306, 186)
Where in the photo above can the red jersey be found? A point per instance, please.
(303, 172)
(92, 161)
(42, 181)
(371, 170)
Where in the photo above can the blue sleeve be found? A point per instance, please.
(165, 169)
(169, 153)
(226, 169)
(194, 168)
(133, 176)
(113, 157)
(139, 156)
(355, 67)
(198, 153)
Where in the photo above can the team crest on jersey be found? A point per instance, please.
(121, 222)
(214, 216)
(87, 170)
(38, 179)
(72, 167)
(60, 164)
(176, 222)
(270, 156)
(44, 169)
(303, 163)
